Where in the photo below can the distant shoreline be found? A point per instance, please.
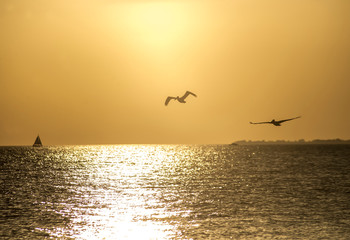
(240, 142)
(301, 141)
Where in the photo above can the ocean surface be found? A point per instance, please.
(175, 192)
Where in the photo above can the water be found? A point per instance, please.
(175, 192)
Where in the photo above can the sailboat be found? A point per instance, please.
(37, 142)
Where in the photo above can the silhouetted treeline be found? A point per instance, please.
(300, 141)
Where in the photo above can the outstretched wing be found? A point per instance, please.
(188, 93)
(285, 120)
(259, 122)
(168, 100)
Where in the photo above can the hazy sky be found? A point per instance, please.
(99, 71)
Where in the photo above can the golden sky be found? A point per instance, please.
(99, 71)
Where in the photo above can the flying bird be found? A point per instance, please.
(274, 122)
(180, 99)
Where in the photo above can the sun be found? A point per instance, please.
(159, 27)
(156, 36)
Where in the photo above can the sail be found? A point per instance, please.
(37, 142)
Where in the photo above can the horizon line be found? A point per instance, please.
(300, 141)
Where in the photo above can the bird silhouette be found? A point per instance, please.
(274, 122)
(180, 99)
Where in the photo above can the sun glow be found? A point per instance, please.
(156, 38)
(157, 29)
(158, 24)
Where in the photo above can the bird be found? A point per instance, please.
(274, 122)
(180, 99)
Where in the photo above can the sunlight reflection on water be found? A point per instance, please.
(175, 192)
(121, 193)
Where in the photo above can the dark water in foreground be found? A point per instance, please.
(175, 192)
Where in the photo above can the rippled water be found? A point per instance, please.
(175, 192)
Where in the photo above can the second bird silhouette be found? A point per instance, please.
(274, 122)
(180, 99)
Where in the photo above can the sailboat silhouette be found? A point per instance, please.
(37, 142)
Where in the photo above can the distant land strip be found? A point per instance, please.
(301, 141)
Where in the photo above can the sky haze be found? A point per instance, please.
(98, 72)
